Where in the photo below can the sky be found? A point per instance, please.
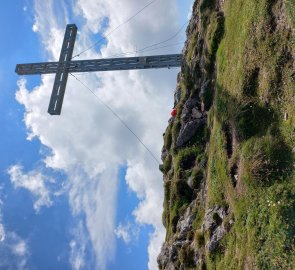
(79, 191)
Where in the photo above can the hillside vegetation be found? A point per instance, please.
(228, 155)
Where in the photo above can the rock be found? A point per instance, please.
(213, 218)
(191, 103)
(184, 225)
(167, 256)
(204, 86)
(215, 239)
(190, 182)
(177, 95)
(164, 153)
(188, 106)
(214, 224)
(188, 131)
(203, 163)
(196, 113)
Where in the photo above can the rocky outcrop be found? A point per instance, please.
(227, 158)
(192, 105)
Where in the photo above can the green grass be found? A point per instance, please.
(254, 93)
(218, 175)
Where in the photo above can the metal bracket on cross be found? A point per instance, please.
(64, 66)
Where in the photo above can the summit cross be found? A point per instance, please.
(66, 65)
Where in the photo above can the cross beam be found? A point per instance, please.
(65, 66)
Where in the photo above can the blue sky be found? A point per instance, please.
(78, 191)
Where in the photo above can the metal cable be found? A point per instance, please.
(154, 49)
(119, 118)
(116, 28)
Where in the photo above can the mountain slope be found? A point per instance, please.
(228, 155)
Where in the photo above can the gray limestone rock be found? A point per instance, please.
(215, 239)
(184, 225)
(211, 216)
(177, 94)
(196, 113)
(213, 222)
(188, 131)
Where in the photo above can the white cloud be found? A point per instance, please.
(127, 232)
(87, 142)
(34, 182)
(14, 252)
(78, 247)
(19, 248)
(2, 233)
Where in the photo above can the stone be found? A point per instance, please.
(215, 239)
(190, 182)
(213, 222)
(203, 163)
(210, 222)
(188, 131)
(196, 113)
(184, 225)
(177, 95)
(191, 103)
(164, 153)
(204, 86)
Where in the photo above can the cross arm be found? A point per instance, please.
(142, 62)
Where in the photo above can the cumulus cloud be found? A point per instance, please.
(34, 181)
(88, 143)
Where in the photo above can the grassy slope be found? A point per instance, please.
(255, 101)
(255, 91)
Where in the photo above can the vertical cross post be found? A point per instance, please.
(62, 73)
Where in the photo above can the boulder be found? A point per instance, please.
(187, 131)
